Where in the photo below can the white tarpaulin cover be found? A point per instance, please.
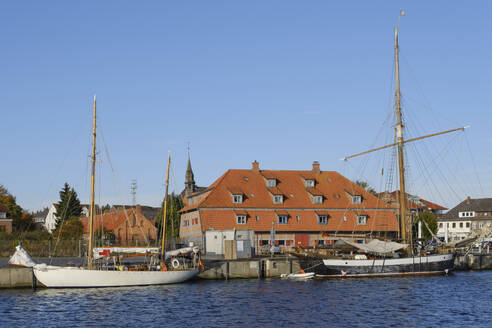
(100, 252)
(377, 246)
(21, 258)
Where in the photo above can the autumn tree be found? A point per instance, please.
(68, 206)
(72, 228)
(21, 220)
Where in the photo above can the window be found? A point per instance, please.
(282, 219)
(317, 199)
(309, 183)
(344, 218)
(281, 242)
(271, 182)
(440, 225)
(320, 242)
(298, 218)
(278, 199)
(237, 199)
(454, 224)
(356, 199)
(361, 219)
(468, 224)
(264, 242)
(322, 219)
(241, 219)
(461, 224)
(257, 218)
(3, 215)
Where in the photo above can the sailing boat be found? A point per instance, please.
(101, 275)
(384, 259)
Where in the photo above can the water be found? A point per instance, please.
(459, 300)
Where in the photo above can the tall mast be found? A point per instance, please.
(164, 218)
(400, 142)
(93, 173)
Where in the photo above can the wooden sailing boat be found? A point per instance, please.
(116, 275)
(383, 260)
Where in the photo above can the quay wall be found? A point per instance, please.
(473, 261)
(17, 278)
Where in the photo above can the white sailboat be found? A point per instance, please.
(382, 258)
(156, 273)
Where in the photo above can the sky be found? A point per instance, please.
(282, 82)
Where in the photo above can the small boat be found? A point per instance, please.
(301, 276)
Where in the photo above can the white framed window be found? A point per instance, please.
(271, 182)
(361, 219)
(237, 199)
(317, 199)
(278, 199)
(3, 215)
(241, 219)
(356, 199)
(257, 218)
(282, 219)
(298, 218)
(461, 224)
(309, 183)
(468, 224)
(322, 219)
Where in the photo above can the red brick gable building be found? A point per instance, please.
(304, 207)
(129, 226)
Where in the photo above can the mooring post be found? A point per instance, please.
(34, 281)
(227, 270)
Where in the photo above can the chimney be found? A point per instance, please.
(316, 169)
(468, 200)
(255, 167)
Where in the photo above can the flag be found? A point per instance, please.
(105, 252)
(402, 12)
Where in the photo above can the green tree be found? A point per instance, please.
(430, 223)
(68, 206)
(73, 228)
(366, 186)
(174, 205)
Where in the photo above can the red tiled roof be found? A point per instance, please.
(111, 220)
(308, 220)
(426, 204)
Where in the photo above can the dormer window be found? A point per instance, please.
(278, 199)
(271, 182)
(317, 199)
(309, 183)
(237, 199)
(322, 219)
(282, 219)
(361, 219)
(241, 219)
(356, 199)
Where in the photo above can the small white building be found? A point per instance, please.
(50, 220)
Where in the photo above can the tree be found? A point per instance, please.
(430, 219)
(68, 206)
(73, 228)
(174, 204)
(21, 220)
(104, 237)
(366, 186)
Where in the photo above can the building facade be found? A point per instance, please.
(294, 208)
(469, 217)
(5, 220)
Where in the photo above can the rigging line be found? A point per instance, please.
(474, 165)
(118, 189)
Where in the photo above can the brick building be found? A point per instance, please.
(5, 220)
(305, 208)
(130, 226)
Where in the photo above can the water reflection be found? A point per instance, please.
(459, 300)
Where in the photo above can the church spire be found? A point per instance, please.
(190, 186)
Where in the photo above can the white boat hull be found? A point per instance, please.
(65, 277)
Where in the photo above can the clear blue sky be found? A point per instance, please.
(281, 82)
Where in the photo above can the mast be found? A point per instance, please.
(164, 218)
(93, 173)
(399, 138)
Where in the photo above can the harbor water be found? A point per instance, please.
(461, 299)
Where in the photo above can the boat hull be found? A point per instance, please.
(418, 265)
(67, 277)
